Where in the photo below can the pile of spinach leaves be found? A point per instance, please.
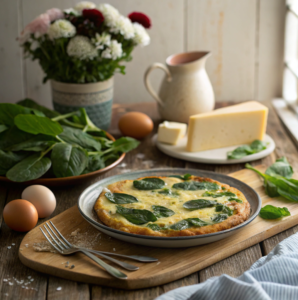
(36, 141)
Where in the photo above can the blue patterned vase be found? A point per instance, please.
(96, 98)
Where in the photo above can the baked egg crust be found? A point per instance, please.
(222, 212)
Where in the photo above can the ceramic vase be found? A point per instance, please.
(96, 98)
(186, 89)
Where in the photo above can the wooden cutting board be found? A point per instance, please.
(173, 263)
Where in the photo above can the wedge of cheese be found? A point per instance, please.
(171, 132)
(228, 126)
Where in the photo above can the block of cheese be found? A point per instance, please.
(171, 132)
(228, 126)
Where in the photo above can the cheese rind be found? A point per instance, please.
(171, 132)
(229, 126)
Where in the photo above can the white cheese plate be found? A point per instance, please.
(214, 156)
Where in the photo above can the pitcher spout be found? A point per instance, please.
(188, 59)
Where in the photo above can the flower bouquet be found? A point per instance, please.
(83, 45)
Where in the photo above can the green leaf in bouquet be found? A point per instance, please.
(3, 127)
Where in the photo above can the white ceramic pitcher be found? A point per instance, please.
(186, 89)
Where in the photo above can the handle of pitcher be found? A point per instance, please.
(148, 84)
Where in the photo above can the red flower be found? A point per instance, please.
(141, 18)
(93, 15)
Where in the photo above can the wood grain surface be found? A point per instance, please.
(47, 285)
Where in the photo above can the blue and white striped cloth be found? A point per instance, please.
(274, 276)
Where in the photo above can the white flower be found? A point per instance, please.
(84, 5)
(124, 26)
(141, 36)
(101, 40)
(71, 11)
(110, 13)
(81, 47)
(61, 28)
(114, 51)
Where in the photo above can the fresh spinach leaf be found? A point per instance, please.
(35, 125)
(95, 162)
(149, 184)
(224, 209)
(220, 194)
(3, 127)
(77, 137)
(136, 216)
(154, 227)
(195, 185)
(32, 167)
(68, 160)
(199, 204)
(162, 212)
(29, 103)
(183, 224)
(9, 159)
(273, 212)
(219, 218)
(236, 200)
(280, 167)
(285, 187)
(9, 111)
(13, 136)
(168, 192)
(121, 198)
(124, 144)
(255, 147)
(183, 177)
(110, 158)
(188, 223)
(36, 143)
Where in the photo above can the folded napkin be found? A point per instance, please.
(274, 276)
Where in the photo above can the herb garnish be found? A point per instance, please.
(199, 204)
(195, 185)
(161, 211)
(136, 216)
(273, 212)
(255, 147)
(121, 198)
(149, 184)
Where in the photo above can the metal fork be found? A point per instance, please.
(133, 257)
(70, 247)
(64, 251)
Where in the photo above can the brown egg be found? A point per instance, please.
(20, 215)
(135, 124)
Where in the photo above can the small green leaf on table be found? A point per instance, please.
(242, 151)
(272, 212)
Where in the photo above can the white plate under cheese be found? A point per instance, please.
(215, 156)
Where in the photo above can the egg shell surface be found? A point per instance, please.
(135, 124)
(42, 198)
(20, 215)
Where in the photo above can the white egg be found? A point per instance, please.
(42, 198)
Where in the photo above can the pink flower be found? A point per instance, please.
(38, 26)
(55, 14)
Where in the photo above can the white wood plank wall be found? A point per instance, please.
(245, 37)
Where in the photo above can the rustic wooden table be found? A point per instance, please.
(49, 287)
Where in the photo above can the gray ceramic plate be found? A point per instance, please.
(88, 197)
